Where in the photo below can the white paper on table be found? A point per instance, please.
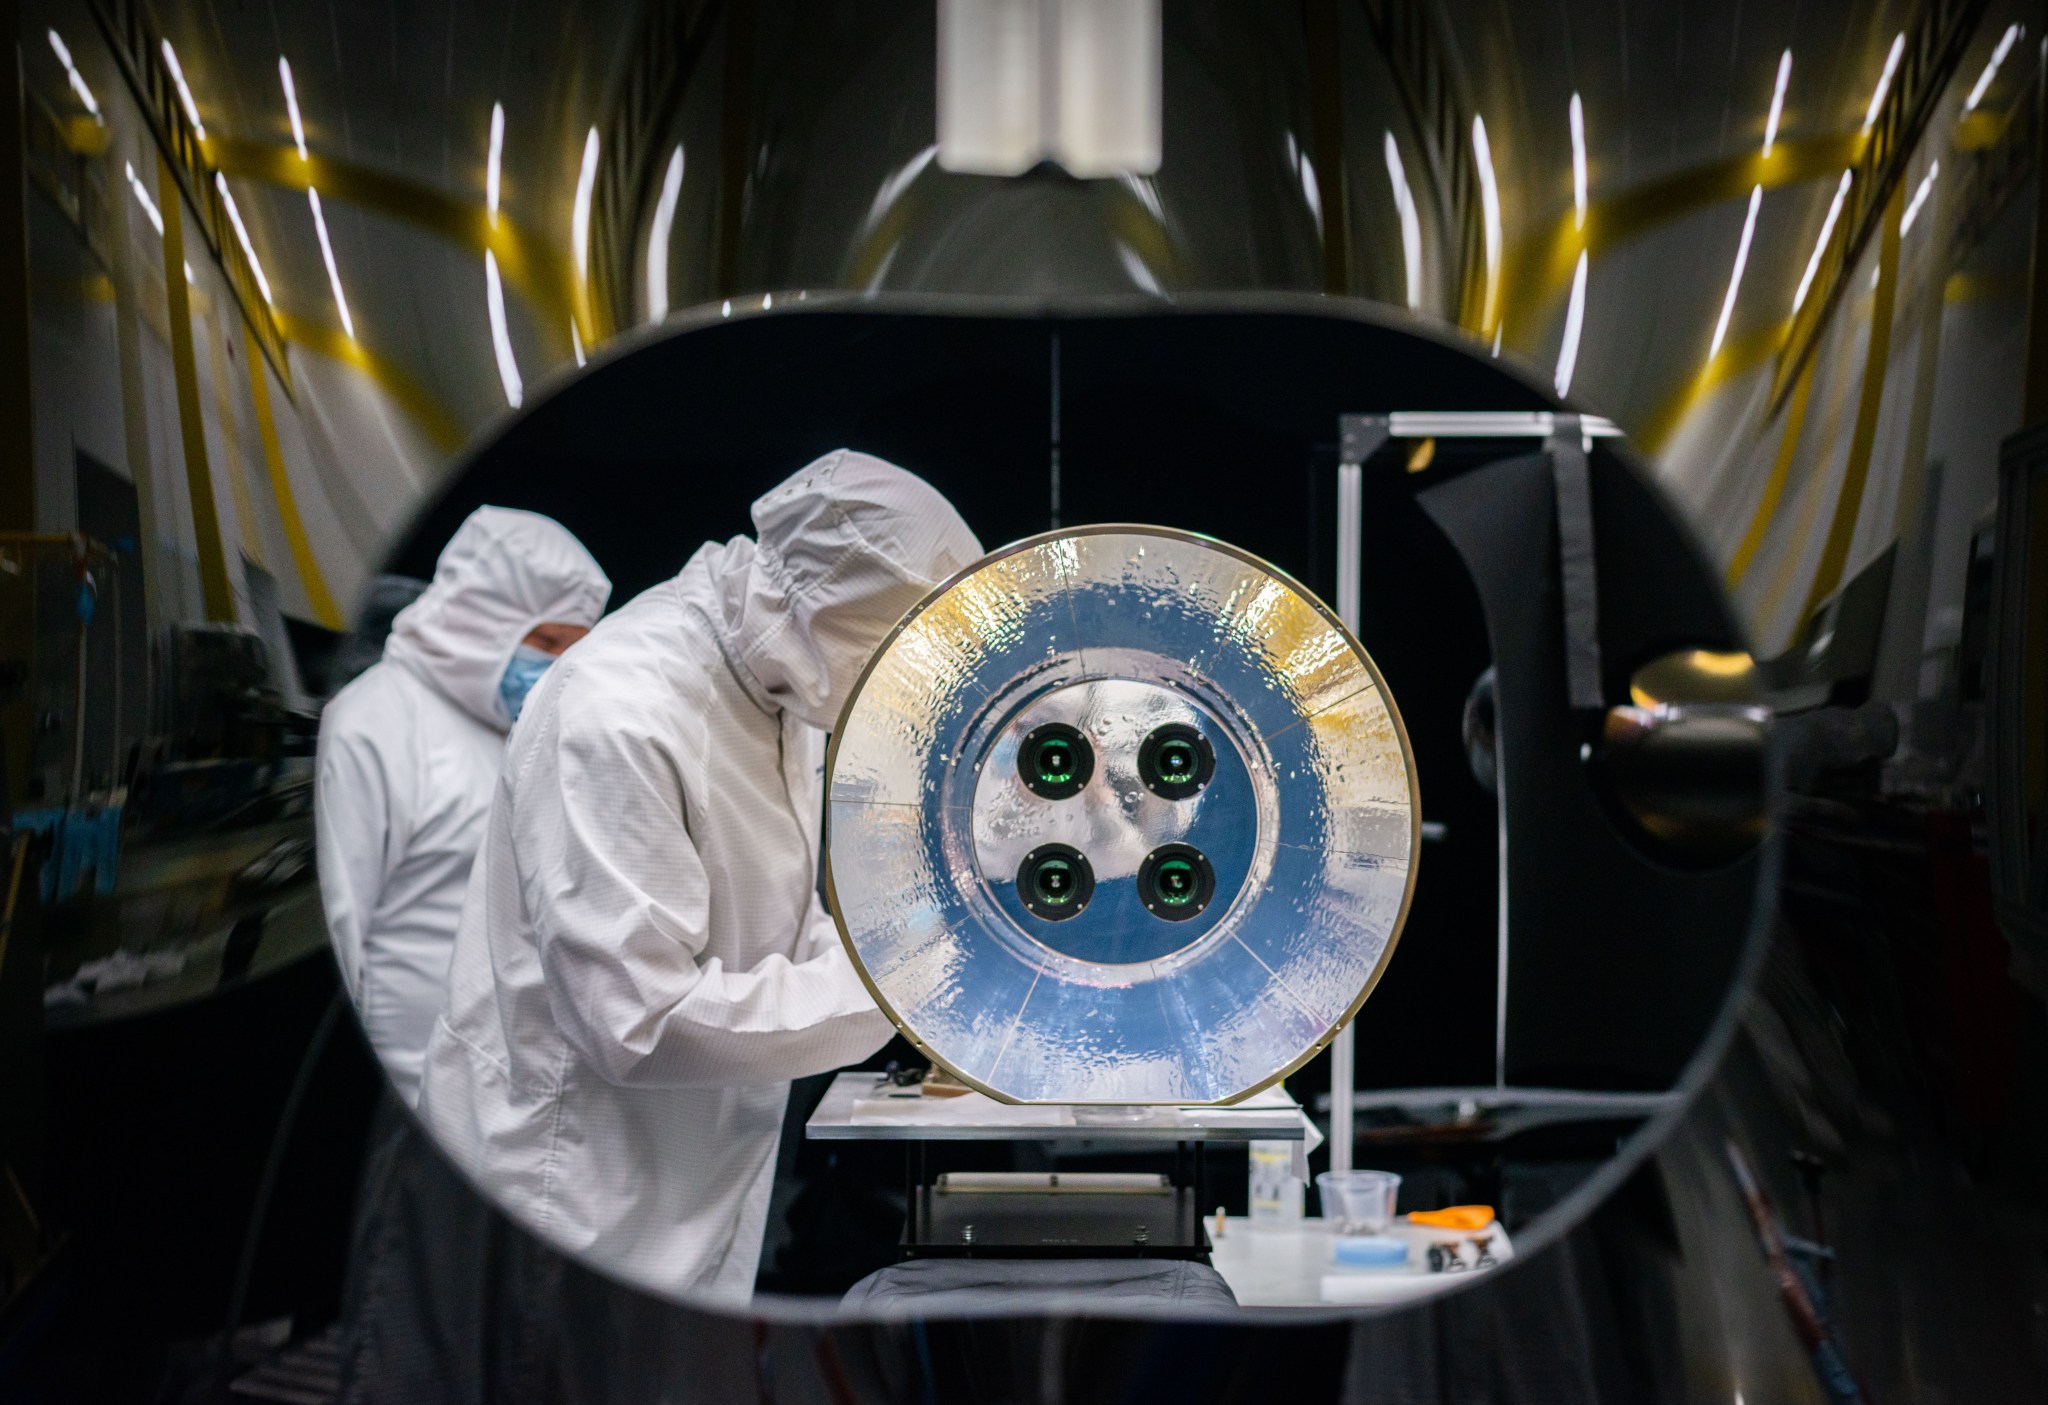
(963, 1110)
(980, 1110)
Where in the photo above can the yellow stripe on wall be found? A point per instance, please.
(525, 262)
(1811, 492)
(1774, 486)
(1738, 358)
(214, 590)
(1541, 268)
(434, 419)
(318, 597)
(1834, 556)
(235, 469)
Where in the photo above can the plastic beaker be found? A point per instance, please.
(1362, 1202)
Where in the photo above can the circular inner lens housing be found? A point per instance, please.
(1176, 882)
(1055, 761)
(1055, 881)
(1176, 761)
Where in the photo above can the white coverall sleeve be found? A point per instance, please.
(620, 902)
(357, 822)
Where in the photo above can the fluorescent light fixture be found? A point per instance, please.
(1574, 326)
(1140, 275)
(348, 324)
(579, 215)
(576, 341)
(2005, 42)
(1777, 101)
(501, 336)
(1490, 424)
(227, 198)
(1919, 198)
(1311, 192)
(1103, 114)
(657, 237)
(1756, 199)
(1884, 81)
(156, 216)
(184, 90)
(1411, 224)
(291, 105)
(491, 167)
(92, 104)
(1141, 189)
(992, 73)
(1578, 163)
(1024, 81)
(1827, 229)
(1489, 200)
(893, 187)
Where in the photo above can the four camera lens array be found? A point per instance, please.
(1056, 881)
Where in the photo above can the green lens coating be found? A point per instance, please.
(1055, 761)
(1177, 762)
(1176, 882)
(1055, 881)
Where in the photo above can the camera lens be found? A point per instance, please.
(1055, 882)
(1055, 761)
(1176, 761)
(1176, 882)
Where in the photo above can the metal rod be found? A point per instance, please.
(1490, 424)
(1350, 529)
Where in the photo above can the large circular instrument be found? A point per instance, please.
(1120, 815)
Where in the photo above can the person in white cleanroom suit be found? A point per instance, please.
(408, 759)
(409, 754)
(643, 964)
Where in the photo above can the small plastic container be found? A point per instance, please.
(1381, 1251)
(1360, 1202)
(1276, 1195)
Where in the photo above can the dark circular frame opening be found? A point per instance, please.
(1176, 761)
(1055, 882)
(1055, 761)
(1176, 882)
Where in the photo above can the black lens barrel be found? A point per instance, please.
(1176, 761)
(1176, 882)
(1055, 761)
(1055, 882)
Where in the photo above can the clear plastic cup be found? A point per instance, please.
(1361, 1202)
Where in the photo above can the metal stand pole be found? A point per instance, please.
(1350, 526)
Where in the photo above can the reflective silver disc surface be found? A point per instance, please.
(1046, 921)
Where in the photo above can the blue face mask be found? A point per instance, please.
(524, 670)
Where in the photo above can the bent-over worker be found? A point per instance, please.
(643, 964)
